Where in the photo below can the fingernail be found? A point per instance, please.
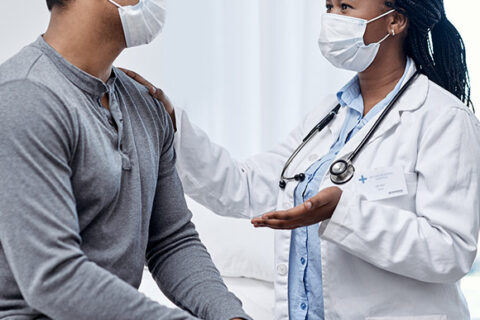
(309, 205)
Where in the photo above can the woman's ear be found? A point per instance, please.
(398, 24)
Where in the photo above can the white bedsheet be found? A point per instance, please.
(258, 299)
(257, 296)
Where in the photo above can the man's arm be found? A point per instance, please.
(177, 259)
(39, 231)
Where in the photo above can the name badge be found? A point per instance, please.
(382, 183)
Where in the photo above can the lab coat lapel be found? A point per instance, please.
(413, 98)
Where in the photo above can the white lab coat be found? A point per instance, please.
(398, 258)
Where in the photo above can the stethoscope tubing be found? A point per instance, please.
(352, 156)
(319, 127)
(382, 117)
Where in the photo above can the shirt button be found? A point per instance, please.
(302, 260)
(282, 269)
(303, 306)
(313, 157)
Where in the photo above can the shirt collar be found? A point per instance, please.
(76, 76)
(351, 96)
(350, 93)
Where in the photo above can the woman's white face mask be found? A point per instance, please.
(341, 41)
(142, 22)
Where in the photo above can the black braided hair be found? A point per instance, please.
(435, 45)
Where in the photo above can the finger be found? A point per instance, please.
(257, 221)
(260, 219)
(280, 215)
(158, 94)
(282, 224)
(290, 214)
(261, 225)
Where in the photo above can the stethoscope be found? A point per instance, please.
(342, 170)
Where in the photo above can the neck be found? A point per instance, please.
(79, 41)
(381, 78)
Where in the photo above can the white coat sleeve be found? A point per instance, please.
(224, 185)
(438, 242)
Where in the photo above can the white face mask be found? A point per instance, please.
(142, 22)
(341, 41)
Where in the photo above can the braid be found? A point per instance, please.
(436, 46)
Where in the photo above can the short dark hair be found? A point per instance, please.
(53, 3)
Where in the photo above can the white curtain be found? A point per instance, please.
(247, 71)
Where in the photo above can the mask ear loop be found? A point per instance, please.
(379, 17)
(384, 38)
(115, 4)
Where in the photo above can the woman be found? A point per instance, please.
(392, 249)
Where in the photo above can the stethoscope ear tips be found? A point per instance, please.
(300, 177)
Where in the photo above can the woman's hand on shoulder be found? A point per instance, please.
(154, 92)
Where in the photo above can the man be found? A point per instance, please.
(88, 191)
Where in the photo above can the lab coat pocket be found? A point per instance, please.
(432, 317)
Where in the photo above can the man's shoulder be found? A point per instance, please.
(143, 102)
(29, 74)
(24, 85)
(31, 65)
(21, 65)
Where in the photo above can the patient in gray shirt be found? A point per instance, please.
(88, 196)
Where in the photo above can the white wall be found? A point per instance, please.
(235, 95)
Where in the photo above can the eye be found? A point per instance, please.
(329, 7)
(346, 6)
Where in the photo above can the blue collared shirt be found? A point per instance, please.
(305, 292)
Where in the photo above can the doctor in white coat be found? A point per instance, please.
(395, 240)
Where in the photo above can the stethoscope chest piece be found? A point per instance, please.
(342, 171)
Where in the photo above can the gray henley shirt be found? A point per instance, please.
(87, 199)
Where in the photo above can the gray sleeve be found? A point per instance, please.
(177, 259)
(39, 231)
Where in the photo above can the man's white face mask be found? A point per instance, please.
(341, 41)
(142, 22)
